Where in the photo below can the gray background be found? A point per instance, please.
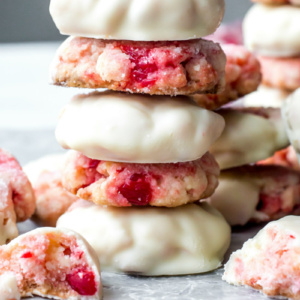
(29, 20)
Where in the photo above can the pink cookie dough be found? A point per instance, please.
(125, 184)
(161, 68)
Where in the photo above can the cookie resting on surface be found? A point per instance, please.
(269, 262)
(257, 193)
(242, 77)
(123, 184)
(160, 68)
(52, 262)
(21, 190)
(152, 241)
(52, 199)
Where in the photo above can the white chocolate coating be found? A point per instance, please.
(273, 30)
(290, 114)
(8, 287)
(265, 97)
(138, 128)
(152, 241)
(248, 138)
(147, 20)
(236, 199)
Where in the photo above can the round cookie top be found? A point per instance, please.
(290, 113)
(137, 128)
(152, 241)
(273, 30)
(147, 20)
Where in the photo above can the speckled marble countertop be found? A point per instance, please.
(28, 112)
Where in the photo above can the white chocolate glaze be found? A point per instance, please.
(273, 30)
(137, 128)
(152, 241)
(147, 20)
(249, 137)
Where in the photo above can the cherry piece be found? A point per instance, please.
(27, 255)
(82, 281)
(142, 67)
(138, 191)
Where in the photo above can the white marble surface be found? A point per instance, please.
(28, 111)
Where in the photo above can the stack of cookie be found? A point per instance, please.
(272, 191)
(140, 157)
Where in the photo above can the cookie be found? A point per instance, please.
(22, 193)
(123, 184)
(281, 73)
(51, 262)
(257, 193)
(8, 219)
(137, 128)
(160, 68)
(52, 200)
(152, 241)
(291, 119)
(135, 20)
(250, 135)
(242, 77)
(270, 261)
(273, 31)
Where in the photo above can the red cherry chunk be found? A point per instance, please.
(82, 281)
(27, 255)
(142, 66)
(137, 191)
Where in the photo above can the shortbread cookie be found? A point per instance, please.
(281, 73)
(273, 30)
(250, 135)
(53, 263)
(161, 68)
(270, 261)
(257, 194)
(52, 200)
(8, 219)
(152, 241)
(242, 76)
(290, 114)
(137, 128)
(266, 96)
(286, 157)
(135, 20)
(22, 193)
(279, 2)
(123, 184)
